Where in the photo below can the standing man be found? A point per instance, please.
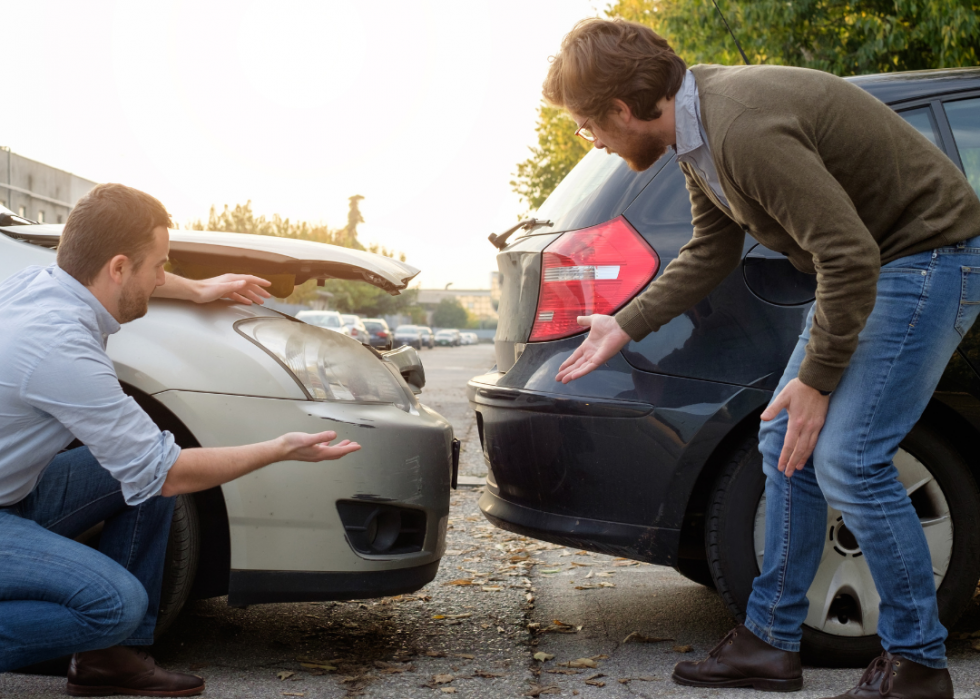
(56, 384)
(818, 169)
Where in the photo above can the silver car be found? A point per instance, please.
(223, 374)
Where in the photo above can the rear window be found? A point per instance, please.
(598, 189)
(406, 329)
(373, 327)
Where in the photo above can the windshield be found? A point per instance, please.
(406, 329)
(350, 320)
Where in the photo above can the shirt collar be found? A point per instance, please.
(107, 324)
(687, 125)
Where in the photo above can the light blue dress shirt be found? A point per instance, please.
(58, 383)
(692, 141)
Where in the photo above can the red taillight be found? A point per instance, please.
(594, 270)
(382, 333)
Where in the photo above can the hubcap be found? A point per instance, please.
(843, 598)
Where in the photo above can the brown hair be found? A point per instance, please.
(602, 60)
(110, 220)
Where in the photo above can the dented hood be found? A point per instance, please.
(199, 254)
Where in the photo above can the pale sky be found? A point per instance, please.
(424, 108)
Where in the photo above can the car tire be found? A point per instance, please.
(180, 564)
(730, 539)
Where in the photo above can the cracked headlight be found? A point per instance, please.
(329, 366)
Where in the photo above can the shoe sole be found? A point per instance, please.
(760, 683)
(81, 690)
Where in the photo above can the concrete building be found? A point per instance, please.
(37, 191)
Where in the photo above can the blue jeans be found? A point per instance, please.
(58, 596)
(925, 304)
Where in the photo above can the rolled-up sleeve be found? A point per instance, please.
(76, 384)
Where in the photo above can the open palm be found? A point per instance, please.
(605, 340)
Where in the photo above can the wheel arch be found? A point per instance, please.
(214, 563)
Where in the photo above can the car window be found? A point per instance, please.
(374, 327)
(924, 123)
(406, 329)
(964, 120)
(322, 320)
(598, 189)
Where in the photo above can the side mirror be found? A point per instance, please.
(409, 366)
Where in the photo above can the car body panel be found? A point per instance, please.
(404, 459)
(258, 254)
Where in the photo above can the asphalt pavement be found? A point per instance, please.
(599, 626)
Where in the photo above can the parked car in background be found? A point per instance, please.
(469, 338)
(654, 455)
(428, 338)
(330, 320)
(410, 335)
(448, 338)
(380, 334)
(223, 374)
(356, 328)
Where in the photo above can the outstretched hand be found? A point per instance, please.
(605, 340)
(300, 446)
(242, 288)
(806, 409)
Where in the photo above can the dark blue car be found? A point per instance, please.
(654, 455)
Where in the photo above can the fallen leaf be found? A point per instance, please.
(492, 588)
(549, 572)
(576, 564)
(285, 675)
(537, 691)
(460, 581)
(556, 622)
(623, 564)
(488, 675)
(466, 656)
(605, 574)
(594, 677)
(448, 690)
(581, 662)
(438, 616)
(319, 666)
(467, 615)
(442, 679)
(435, 654)
(596, 683)
(542, 657)
(637, 637)
(682, 649)
(586, 587)
(560, 671)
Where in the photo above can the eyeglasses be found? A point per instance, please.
(586, 132)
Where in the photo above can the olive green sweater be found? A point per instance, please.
(818, 169)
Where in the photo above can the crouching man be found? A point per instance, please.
(57, 383)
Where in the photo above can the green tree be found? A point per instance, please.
(450, 314)
(843, 37)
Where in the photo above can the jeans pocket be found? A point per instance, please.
(969, 299)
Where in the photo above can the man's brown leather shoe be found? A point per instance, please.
(743, 660)
(894, 677)
(122, 670)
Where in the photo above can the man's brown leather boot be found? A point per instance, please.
(122, 670)
(743, 660)
(892, 676)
